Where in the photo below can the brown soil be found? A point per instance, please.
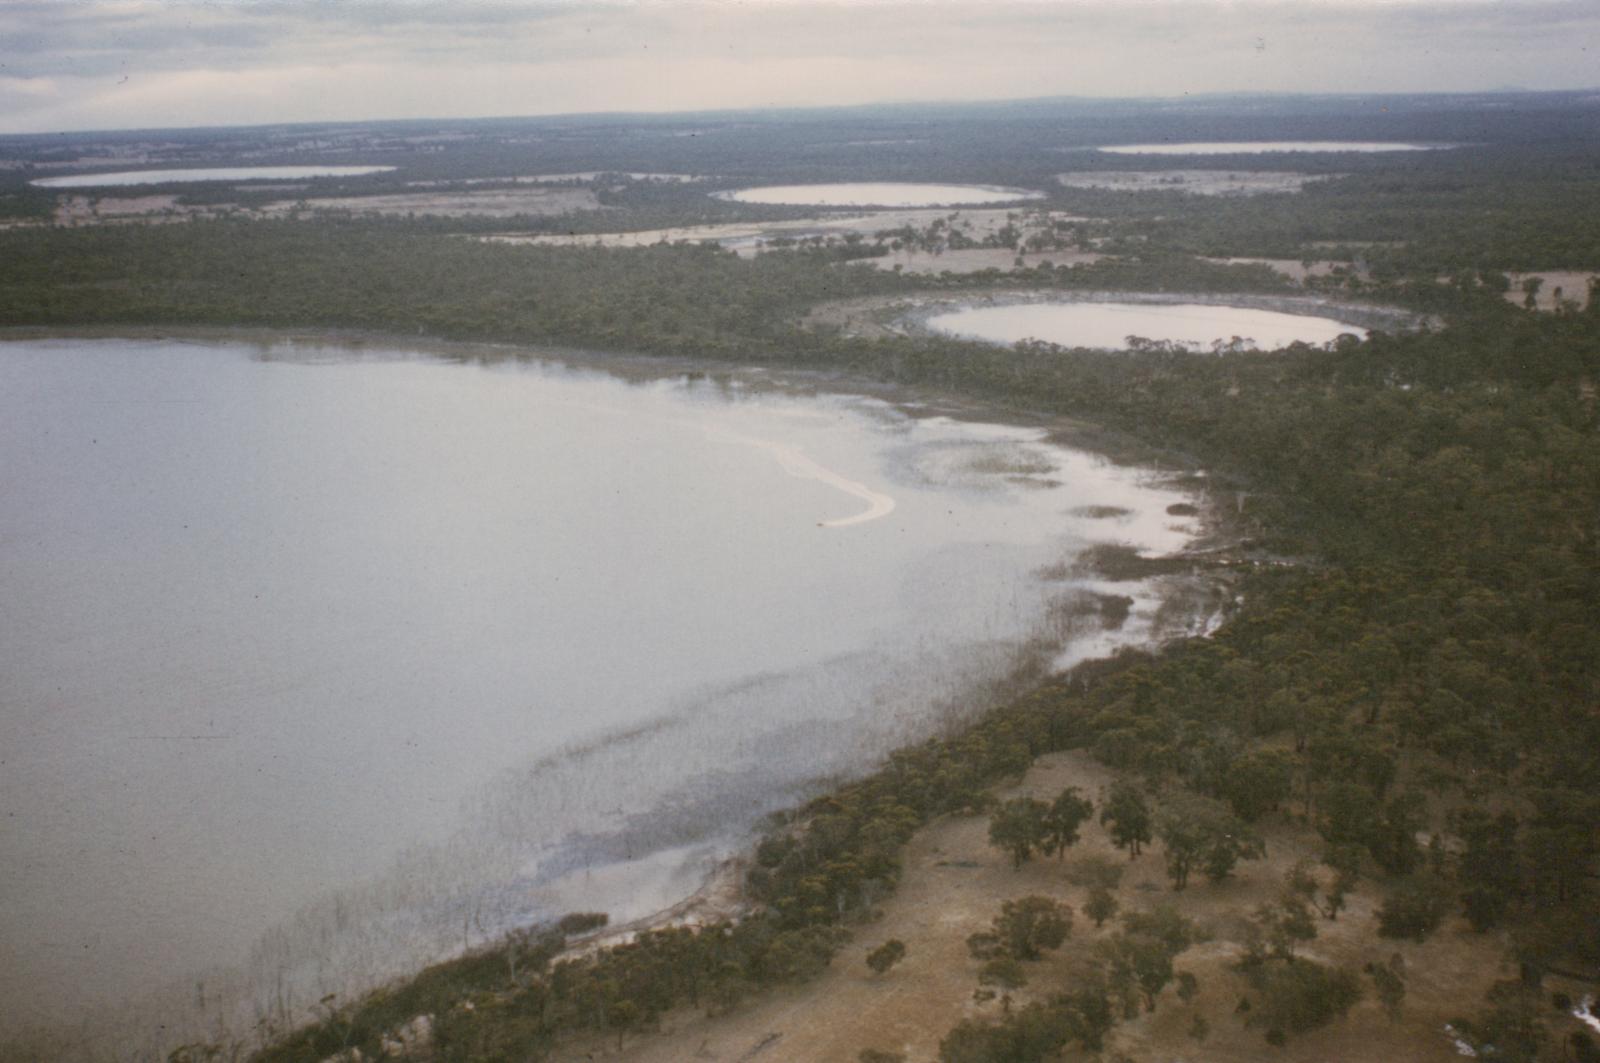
(955, 883)
(1574, 285)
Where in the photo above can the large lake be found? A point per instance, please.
(880, 194)
(321, 663)
(128, 178)
(1108, 325)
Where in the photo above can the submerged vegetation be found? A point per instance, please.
(1420, 690)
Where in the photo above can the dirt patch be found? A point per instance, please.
(1555, 286)
(955, 883)
(1194, 182)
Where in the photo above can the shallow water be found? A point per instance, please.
(1108, 325)
(880, 194)
(226, 173)
(323, 664)
(1250, 147)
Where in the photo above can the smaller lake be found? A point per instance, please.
(1107, 326)
(879, 194)
(1251, 147)
(225, 173)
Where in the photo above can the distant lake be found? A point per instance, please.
(1249, 147)
(880, 194)
(226, 173)
(320, 662)
(1107, 325)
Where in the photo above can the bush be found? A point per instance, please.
(1413, 909)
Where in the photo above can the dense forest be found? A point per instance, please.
(1421, 688)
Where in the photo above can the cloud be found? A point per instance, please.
(118, 63)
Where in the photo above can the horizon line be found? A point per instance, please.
(811, 108)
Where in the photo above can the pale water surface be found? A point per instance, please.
(321, 664)
(1248, 147)
(1108, 325)
(225, 173)
(880, 194)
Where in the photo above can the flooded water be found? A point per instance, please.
(225, 173)
(880, 194)
(1250, 147)
(322, 664)
(1108, 325)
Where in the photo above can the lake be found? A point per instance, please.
(879, 194)
(225, 173)
(1251, 147)
(322, 663)
(1107, 325)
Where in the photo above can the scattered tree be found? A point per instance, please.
(1018, 827)
(1101, 905)
(1127, 813)
(1027, 927)
(1067, 813)
(886, 955)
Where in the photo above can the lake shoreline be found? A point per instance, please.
(712, 899)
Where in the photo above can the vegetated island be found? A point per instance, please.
(1359, 819)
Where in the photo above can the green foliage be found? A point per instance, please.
(1197, 832)
(1257, 783)
(1019, 827)
(1029, 926)
(581, 922)
(1067, 813)
(1003, 971)
(1297, 997)
(1128, 815)
(1389, 980)
(1032, 1033)
(1100, 906)
(1509, 1029)
(878, 1055)
(1413, 908)
(886, 955)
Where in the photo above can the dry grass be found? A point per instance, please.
(955, 883)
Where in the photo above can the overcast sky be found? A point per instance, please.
(115, 64)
